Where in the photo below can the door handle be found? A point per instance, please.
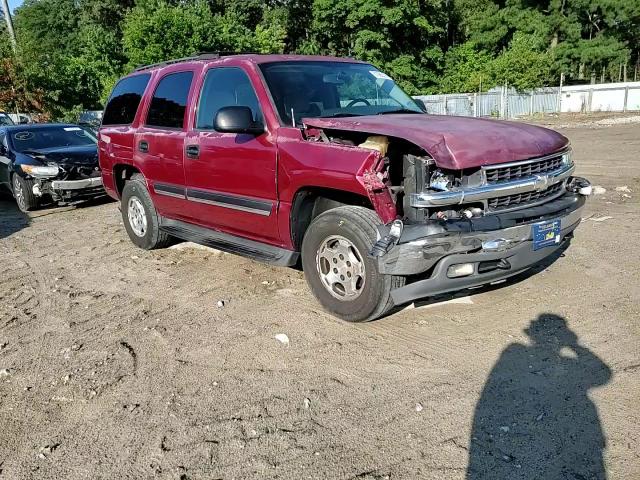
(193, 151)
(143, 146)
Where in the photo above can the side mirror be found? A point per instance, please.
(236, 119)
(421, 104)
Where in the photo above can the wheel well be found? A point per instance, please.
(308, 203)
(122, 173)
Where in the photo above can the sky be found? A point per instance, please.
(13, 4)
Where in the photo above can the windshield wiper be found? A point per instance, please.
(338, 115)
(399, 110)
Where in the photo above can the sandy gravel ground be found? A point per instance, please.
(118, 363)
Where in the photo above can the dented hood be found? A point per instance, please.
(456, 142)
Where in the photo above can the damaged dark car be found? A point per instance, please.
(49, 163)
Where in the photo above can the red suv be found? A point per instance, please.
(327, 162)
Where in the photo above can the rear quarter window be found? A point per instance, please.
(124, 100)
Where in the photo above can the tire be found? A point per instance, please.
(22, 189)
(328, 236)
(140, 217)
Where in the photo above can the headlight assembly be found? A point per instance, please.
(441, 181)
(40, 170)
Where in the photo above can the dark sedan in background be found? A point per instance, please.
(56, 162)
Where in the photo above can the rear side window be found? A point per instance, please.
(169, 102)
(123, 104)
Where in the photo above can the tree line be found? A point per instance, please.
(70, 53)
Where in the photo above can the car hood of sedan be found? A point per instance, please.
(456, 142)
(72, 156)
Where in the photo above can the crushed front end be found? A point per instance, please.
(447, 229)
(462, 229)
(65, 182)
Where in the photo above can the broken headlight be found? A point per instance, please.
(40, 170)
(441, 181)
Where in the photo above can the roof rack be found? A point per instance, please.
(197, 56)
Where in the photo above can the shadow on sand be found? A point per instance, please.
(12, 220)
(534, 419)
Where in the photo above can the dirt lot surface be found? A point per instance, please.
(118, 363)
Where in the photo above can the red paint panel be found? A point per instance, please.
(163, 163)
(457, 142)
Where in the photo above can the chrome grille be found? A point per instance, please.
(523, 169)
(522, 199)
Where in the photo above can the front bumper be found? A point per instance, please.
(70, 190)
(428, 250)
(76, 184)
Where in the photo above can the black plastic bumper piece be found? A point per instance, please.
(507, 263)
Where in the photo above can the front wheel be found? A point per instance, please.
(23, 193)
(337, 266)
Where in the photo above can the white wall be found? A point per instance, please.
(605, 97)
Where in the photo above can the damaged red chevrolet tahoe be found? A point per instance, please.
(327, 162)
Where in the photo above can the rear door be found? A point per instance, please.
(159, 143)
(115, 137)
(231, 181)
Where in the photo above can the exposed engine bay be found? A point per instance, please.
(406, 171)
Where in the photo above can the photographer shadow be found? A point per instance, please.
(534, 419)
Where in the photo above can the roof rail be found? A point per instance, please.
(197, 56)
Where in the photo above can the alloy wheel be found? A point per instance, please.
(137, 216)
(340, 267)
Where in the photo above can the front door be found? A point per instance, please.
(231, 178)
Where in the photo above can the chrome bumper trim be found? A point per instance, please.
(76, 184)
(475, 194)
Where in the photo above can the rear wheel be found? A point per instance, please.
(336, 264)
(23, 193)
(140, 217)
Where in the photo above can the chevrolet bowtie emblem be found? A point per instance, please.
(542, 182)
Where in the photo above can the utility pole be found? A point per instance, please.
(559, 99)
(7, 19)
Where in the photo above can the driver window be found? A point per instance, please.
(225, 87)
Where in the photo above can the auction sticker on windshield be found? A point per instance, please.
(378, 74)
(546, 234)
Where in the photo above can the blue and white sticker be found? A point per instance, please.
(379, 74)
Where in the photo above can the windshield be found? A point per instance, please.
(332, 89)
(43, 138)
(5, 119)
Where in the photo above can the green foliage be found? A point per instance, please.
(466, 69)
(71, 52)
(401, 37)
(519, 66)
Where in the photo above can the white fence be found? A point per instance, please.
(508, 103)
